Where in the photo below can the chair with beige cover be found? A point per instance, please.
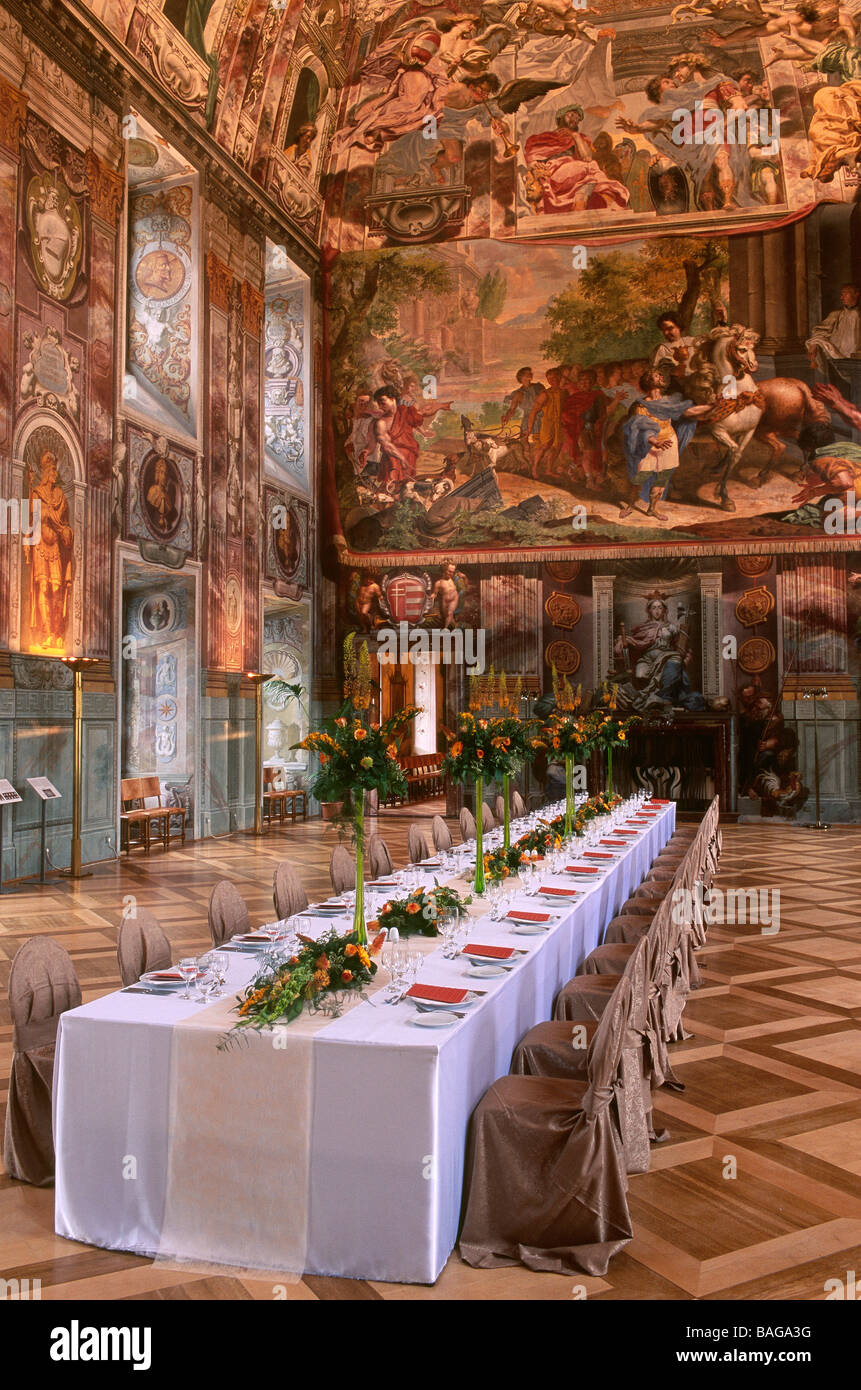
(342, 870)
(141, 946)
(288, 895)
(42, 986)
(487, 821)
(500, 810)
(416, 847)
(545, 1179)
(228, 915)
(467, 824)
(441, 835)
(517, 805)
(560, 1048)
(379, 859)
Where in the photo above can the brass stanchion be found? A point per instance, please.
(816, 692)
(77, 664)
(258, 678)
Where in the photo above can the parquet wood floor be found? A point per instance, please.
(757, 1193)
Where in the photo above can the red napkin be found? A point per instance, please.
(655, 801)
(493, 952)
(626, 832)
(559, 892)
(170, 975)
(596, 854)
(619, 844)
(579, 869)
(529, 916)
(438, 994)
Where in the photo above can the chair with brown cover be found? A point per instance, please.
(288, 895)
(467, 824)
(342, 870)
(141, 946)
(487, 821)
(500, 810)
(42, 986)
(379, 859)
(545, 1177)
(517, 805)
(586, 996)
(228, 915)
(416, 847)
(559, 1048)
(441, 834)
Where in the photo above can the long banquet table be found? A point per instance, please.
(337, 1151)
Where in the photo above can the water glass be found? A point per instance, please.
(188, 970)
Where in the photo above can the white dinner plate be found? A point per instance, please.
(436, 1020)
(476, 958)
(438, 1005)
(151, 978)
(530, 929)
(487, 972)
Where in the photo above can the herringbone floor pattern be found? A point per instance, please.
(757, 1193)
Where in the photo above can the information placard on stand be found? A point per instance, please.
(46, 791)
(8, 796)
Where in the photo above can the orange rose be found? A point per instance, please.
(456, 749)
(350, 949)
(385, 909)
(360, 734)
(346, 976)
(323, 759)
(341, 723)
(413, 908)
(479, 752)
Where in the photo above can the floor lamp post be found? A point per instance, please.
(77, 665)
(258, 678)
(816, 692)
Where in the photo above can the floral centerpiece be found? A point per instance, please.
(423, 911)
(321, 971)
(358, 756)
(502, 863)
(569, 736)
(608, 730)
(477, 753)
(514, 736)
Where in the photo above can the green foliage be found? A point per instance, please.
(492, 294)
(609, 311)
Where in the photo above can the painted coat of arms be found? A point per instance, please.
(56, 241)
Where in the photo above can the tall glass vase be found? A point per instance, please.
(359, 913)
(478, 885)
(610, 769)
(506, 814)
(569, 794)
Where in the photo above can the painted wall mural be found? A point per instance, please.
(161, 299)
(497, 397)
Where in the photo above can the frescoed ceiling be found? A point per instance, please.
(374, 124)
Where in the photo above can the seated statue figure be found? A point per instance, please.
(651, 664)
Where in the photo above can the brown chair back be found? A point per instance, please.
(141, 946)
(342, 870)
(416, 847)
(42, 986)
(228, 915)
(441, 834)
(288, 894)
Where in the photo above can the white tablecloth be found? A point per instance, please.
(391, 1102)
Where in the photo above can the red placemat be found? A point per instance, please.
(438, 994)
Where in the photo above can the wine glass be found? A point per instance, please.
(221, 965)
(188, 970)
